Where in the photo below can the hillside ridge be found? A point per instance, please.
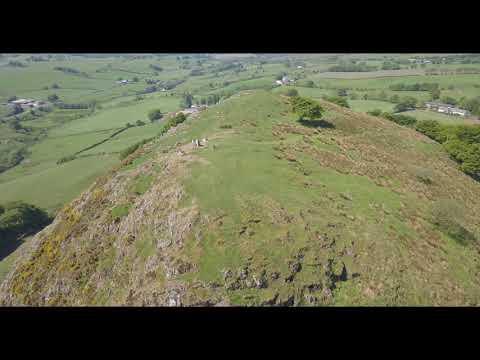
(270, 211)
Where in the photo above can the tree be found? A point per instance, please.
(154, 115)
(433, 129)
(128, 125)
(139, 123)
(291, 92)
(55, 86)
(407, 103)
(342, 92)
(449, 100)
(187, 100)
(435, 94)
(53, 98)
(135, 79)
(306, 108)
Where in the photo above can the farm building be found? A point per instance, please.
(446, 109)
(27, 103)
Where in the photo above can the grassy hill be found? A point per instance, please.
(351, 210)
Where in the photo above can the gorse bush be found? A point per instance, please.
(403, 120)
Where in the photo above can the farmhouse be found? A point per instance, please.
(446, 109)
(122, 82)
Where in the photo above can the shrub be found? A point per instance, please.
(431, 128)
(225, 126)
(376, 112)
(155, 114)
(66, 159)
(140, 123)
(291, 92)
(403, 120)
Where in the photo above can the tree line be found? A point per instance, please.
(461, 142)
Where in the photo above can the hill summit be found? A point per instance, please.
(348, 210)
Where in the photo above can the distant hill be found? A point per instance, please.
(348, 210)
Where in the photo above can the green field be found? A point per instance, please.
(369, 105)
(64, 132)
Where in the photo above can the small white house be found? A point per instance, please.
(278, 82)
(299, 67)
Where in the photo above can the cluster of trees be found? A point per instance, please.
(187, 100)
(208, 100)
(449, 71)
(174, 121)
(69, 70)
(390, 65)
(462, 143)
(156, 67)
(352, 66)
(306, 108)
(405, 104)
(472, 104)
(16, 63)
(414, 87)
(35, 58)
(62, 105)
(19, 219)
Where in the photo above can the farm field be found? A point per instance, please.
(369, 105)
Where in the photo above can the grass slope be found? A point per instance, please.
(271, 211)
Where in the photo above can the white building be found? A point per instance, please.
(446, 109)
